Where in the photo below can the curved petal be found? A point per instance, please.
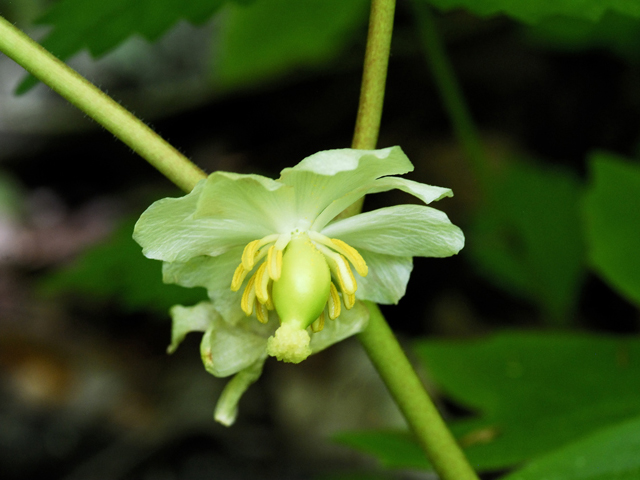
(227, 407)
(348, 323)
(387, 280)
(190, 319)
(168, 231)
(266, 204)
(426, 193)
(403, 230)
(321, 178)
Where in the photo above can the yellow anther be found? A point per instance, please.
(262, 313)
(333, 304)
(345, 275)
(352, 255)
(249, 254)
(349, 300)
(262, 283)
(238, 277)
(340, 269)
(318, 324)
(249, 296)
(274, 262)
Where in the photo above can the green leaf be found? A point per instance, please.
(272, 37)
(612, 217)
(609, 454)
(100, 26)
(618, 33)
(117, 271)
(532, 11)
(533, 393)
(527, 238)
(392, 449)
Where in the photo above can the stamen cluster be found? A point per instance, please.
(257, 294)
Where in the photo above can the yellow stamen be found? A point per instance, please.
(262, 313)
(333, 304)
(249, 254)
(274, 260)
(238, 277)
(249, 296)
(262, 284)
(352, 255)
(318, 324)
(349, 300)
(344, 274)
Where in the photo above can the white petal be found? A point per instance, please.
(387, 280)
(190, 319)
(325, 176)
(266, 204)
(168, 231)
(403, 230)
(426, 193)
(348, 323)
(227, 406)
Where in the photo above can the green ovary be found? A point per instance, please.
(299, 297)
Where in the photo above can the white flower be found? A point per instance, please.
(276, 249)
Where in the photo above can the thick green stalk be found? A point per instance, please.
(378, 340)
(450, 91)
(99, 106)
(407, 390)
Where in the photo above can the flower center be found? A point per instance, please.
(295, 275)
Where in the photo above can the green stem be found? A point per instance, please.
(374, 77)
(378, 340)
(99, 106)
(407, 390)
(450, 91)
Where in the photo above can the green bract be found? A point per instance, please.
(274, 249)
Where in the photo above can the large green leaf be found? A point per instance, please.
(610, 454)
(527, 238)
(612, 217)
(270, 37)
(532, 393)
(100, 26)
(532, 11)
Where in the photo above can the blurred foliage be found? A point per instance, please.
(527, 236)
(271, 37)
(610, 453)
(102, 26)
(116, 271)
(612, 217)
(531, 393)
(532, 11)
(260, 40)
(617, 33)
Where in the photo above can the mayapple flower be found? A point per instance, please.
(277, 250)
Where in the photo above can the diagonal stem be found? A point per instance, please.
(103, 109)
